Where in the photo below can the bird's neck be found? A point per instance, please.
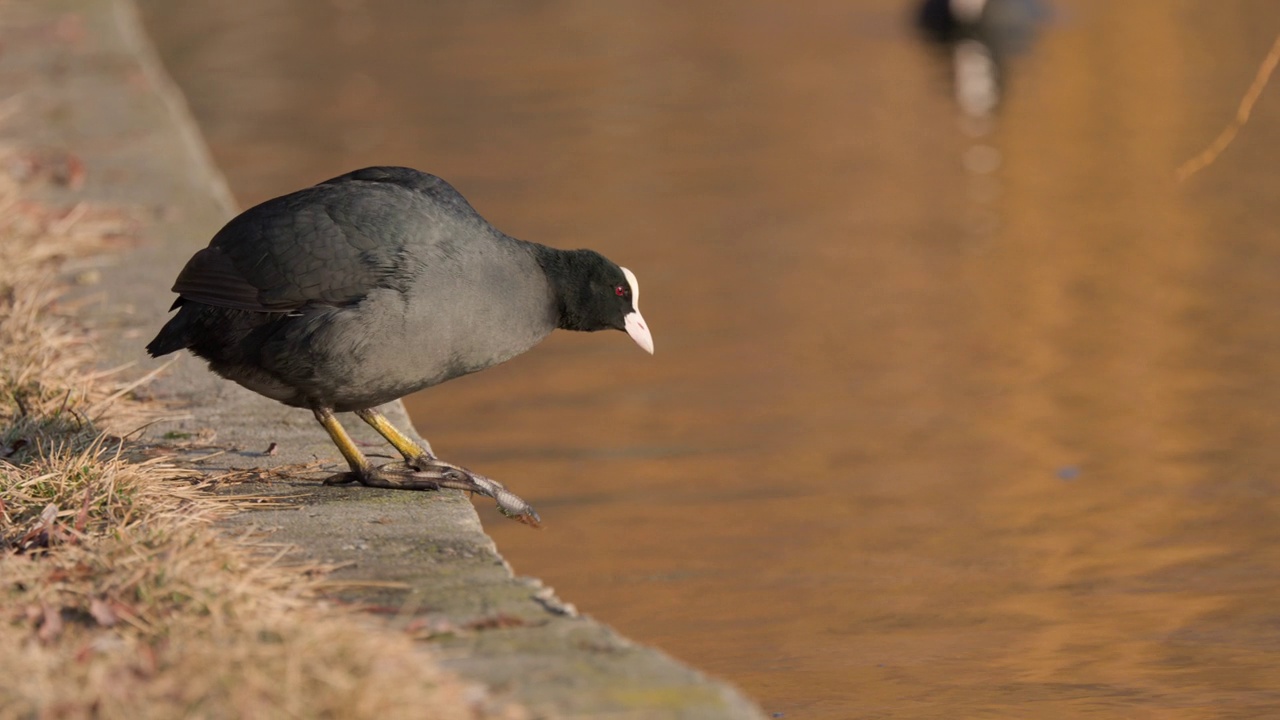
(564, 269)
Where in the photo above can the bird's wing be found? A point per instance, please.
(330, 244)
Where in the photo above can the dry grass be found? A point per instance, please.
(118, 597)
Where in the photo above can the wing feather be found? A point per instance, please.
(316, 246)
(332, 243)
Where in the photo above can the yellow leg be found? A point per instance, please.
(356, 459)
(411, 450)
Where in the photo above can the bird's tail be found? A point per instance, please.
(174, 336)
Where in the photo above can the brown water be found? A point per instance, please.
(925, 435)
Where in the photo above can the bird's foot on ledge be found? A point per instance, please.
(509, 504)
(426, 462)
(394, 476)
(342, 478)
(428, 473)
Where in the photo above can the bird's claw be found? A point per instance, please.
(429, 473)
(343, 478)
(509, 504)
(426, 462)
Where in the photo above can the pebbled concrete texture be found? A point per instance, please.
(79, 76)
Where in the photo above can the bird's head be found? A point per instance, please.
(596, 294)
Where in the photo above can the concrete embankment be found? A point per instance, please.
(84, 87)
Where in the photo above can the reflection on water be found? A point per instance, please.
(980, 37)
(923, 438)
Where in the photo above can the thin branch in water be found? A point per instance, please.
(1220, 143)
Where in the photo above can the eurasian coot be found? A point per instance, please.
(376, 284)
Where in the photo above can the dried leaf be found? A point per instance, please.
(82, 517)
(102, 612)
(51, 624)
(48, 515)
(12, 448)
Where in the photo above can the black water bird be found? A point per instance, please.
(982, 36)
(362, 289)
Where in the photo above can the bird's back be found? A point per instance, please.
(359, 290)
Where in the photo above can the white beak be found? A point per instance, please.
(638, 330)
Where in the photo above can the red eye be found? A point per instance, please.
(620, 291)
